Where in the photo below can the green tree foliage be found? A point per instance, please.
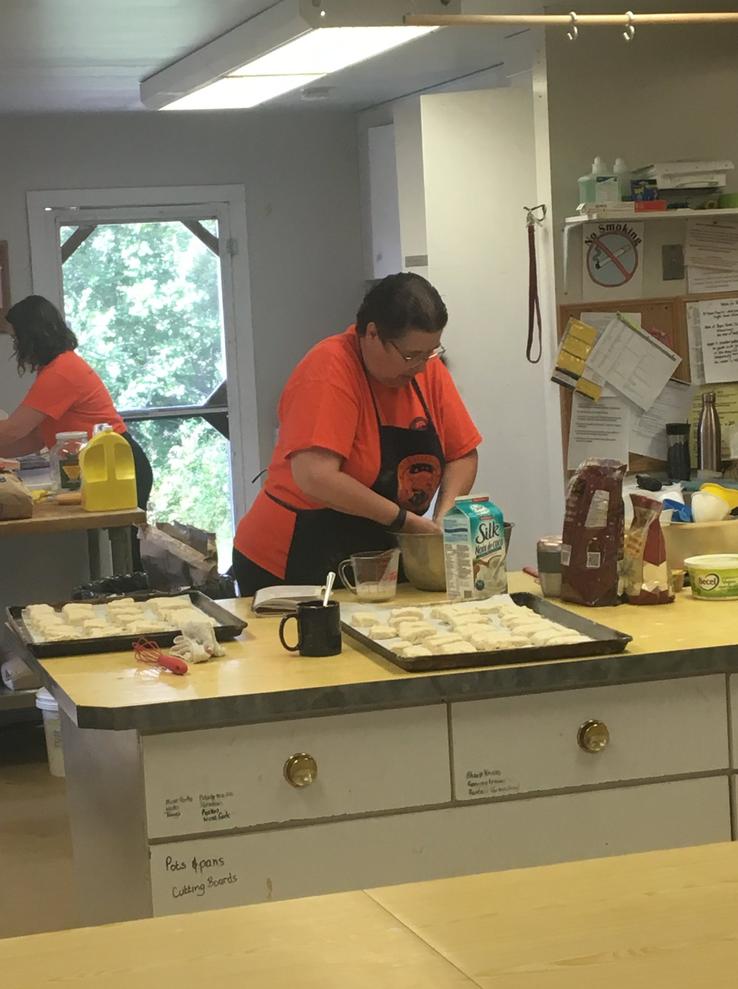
(144, 300)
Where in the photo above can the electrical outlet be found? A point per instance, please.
(672, 262)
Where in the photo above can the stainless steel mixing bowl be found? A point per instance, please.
(422, 558)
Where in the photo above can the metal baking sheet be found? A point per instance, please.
(606, 642)
(228, 627)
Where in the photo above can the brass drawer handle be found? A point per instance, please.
(593, 736)
(300, 770)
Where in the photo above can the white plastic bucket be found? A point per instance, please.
(52, 728)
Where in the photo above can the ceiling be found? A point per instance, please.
(90, 55)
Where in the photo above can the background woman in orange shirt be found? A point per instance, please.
(371, 427)
(66, 396)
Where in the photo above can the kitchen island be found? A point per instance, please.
(659, 919)
(264, 776)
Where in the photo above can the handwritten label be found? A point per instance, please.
(173, 806)
(196, 876)
(489, 783)
(210, 808)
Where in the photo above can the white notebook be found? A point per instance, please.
(283, 599)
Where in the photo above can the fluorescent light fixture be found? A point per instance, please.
(239, 92)
(330, 49)
(287, 47)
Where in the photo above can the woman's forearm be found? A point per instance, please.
(320, 480)
(11, 447)
(458, 479)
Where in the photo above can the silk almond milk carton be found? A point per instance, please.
(474, 549)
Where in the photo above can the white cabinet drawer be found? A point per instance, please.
(226, 778)
(226, 871)
(522, 744)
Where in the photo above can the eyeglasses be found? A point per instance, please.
(418, 358)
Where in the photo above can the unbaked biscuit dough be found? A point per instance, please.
(364, 619)
(382, 632)
(415, 652)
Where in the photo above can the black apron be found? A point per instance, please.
(410, 472)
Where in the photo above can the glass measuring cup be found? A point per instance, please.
(374, 574)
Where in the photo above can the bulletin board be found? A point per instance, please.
(667, 319)
(4, 277)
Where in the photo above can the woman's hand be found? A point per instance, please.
(418, 525)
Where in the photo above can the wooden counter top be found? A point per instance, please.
(258, 680)
(663, 919)
(50, 517)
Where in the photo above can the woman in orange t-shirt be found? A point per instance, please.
(371, 426)
(67, 395)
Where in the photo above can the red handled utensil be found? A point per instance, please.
(149, 652)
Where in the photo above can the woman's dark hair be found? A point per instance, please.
(40, 333)
(399, 303)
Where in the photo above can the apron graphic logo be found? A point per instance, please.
(418, 477)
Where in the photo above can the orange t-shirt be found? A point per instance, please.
(327, 403)
(72, 397)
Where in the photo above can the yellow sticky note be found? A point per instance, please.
(575, 365)
(582, 331)
(589, 388)
(573, 345)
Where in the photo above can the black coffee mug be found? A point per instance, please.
(318, 629)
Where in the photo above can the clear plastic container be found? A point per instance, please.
(49, 708)
(64, 461)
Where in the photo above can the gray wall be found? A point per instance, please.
(300, 173)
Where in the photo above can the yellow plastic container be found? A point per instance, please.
(108, 473)
(730, 495)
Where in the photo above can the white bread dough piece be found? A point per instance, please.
(436, 641)
(415, 632)
(415, 652)
(34, 611)
(178, 601)
(364, 619)
(146, 626)
(77, 611)
(458, 646)
(91, 631)
(488, 643)
(61, 633)
(404, 613)
(382, 632)
(459, 622)
(569, 640)
(183, 616)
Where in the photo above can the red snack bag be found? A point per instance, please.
(645, 570)
(594, 524)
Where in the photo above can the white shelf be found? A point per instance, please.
(667, 214)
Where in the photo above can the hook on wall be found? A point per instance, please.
(573, 32)
(629, 32)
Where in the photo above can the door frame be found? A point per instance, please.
(228, 203)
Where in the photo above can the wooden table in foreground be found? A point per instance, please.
(642, 921)
(50, 517)
(406, 777)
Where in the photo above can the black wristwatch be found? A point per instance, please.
(399, 523)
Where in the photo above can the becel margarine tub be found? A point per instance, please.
(713, 578)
